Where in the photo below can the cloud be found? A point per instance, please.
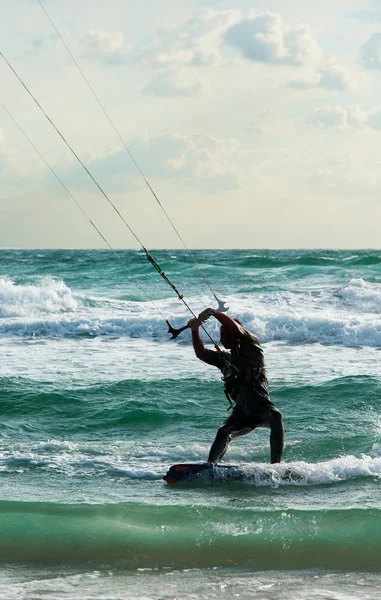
(175, 82)
(345, 174)
(12, 167)
(15, 169)
(374, 120)
(269, 123)
(309, 80)
(265, 38)
(181, 52)
(196, 42)
(371, 52)
(110, 46)
(345, 118)
(208, 162)
(329, 116)
(335, 77)
(330, 77)
(205, 162)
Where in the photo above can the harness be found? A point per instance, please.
(233, 379)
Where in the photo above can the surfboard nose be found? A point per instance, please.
(176, 473)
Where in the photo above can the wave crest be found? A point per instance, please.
(46, 297)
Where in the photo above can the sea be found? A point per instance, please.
(97, 402)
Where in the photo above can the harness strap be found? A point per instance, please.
(258, 372)
(229, 400)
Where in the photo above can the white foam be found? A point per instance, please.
(46, 297)
(349, 316)
(55, 445)
(376, 450)
(361, 295)
(137, 462)
(343, 468)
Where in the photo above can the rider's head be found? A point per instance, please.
(228, 338)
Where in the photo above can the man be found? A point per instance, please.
(245, 377)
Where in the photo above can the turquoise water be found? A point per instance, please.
(97, 402)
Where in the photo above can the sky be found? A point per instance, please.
(257, 124)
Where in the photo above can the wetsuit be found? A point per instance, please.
(245, 378)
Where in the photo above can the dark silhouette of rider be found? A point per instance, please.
(246, 385)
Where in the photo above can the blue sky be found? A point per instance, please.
(257, 124)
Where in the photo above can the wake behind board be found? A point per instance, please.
(254, 474)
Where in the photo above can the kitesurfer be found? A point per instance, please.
(246, 385)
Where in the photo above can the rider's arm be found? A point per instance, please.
(230, 324)
(198, 345)
(208, 356)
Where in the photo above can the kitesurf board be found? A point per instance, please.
(185, 472)
(205, 472)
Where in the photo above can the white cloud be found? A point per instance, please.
(335, 77)
(175, 82)
(345, 118)
(270, 123)
(265, 38)
(13, 167)
(195, 42)
(345, 174)
(190, 55)
(180, 52)
(355, 116)
(374, 119)
(203, 161)
(108, 45)
(371, 52)
(301, 45)
(306, 81)
(332, 76)
(329, 116)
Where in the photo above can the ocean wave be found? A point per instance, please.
(46, 297)
(297, 473)
(286, 325)
(347, 316)
(361, 295)
(91, 326)
(318, 328)
(137, 535)
(284, 259)
(139, 460)
(134, 402)
(106, 406)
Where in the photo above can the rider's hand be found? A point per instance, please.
(194, 324)
(205, 314)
